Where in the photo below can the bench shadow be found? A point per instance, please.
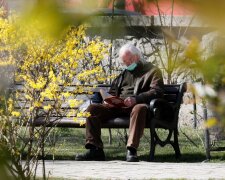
(113, 153)
(171, 158)
(185, 158)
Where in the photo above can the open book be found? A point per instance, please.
(113, 100)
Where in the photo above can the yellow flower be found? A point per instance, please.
(80, 114)
(66, 94)
(86, 114)
(48, 93)
(39, 84)
(48, 107)
(28, 97)
(74, 103)
(31, 108)
(83, 114)
(82, 122)
(90, 92)
(10, 105)
(15, 113)
(71, 113)
(37, 104)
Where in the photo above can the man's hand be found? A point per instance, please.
(130, 101)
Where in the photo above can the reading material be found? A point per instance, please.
(113, 100)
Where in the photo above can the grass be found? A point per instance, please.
(65, 143)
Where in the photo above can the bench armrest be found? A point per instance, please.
(162, 110)
(157, 103)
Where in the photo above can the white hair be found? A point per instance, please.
(132, 49)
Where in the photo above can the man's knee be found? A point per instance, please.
(140, 108)
(92, 108)
(96, 109)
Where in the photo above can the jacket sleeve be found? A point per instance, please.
(151, 88)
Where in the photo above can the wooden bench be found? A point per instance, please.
(164, 112)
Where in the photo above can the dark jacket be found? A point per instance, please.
(148, 83)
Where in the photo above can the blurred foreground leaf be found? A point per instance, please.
(211, 122)
(51, 18)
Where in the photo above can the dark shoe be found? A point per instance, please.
(91, 155)
(132, 156)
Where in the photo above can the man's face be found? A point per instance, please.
(128, 58)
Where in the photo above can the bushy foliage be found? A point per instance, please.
(50, 73)
(211, 71)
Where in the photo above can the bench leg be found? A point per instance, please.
(125, 136)
(110, 136)
(176, 145)
(155, 140)
(152, 144)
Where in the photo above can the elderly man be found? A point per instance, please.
(138, 84)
